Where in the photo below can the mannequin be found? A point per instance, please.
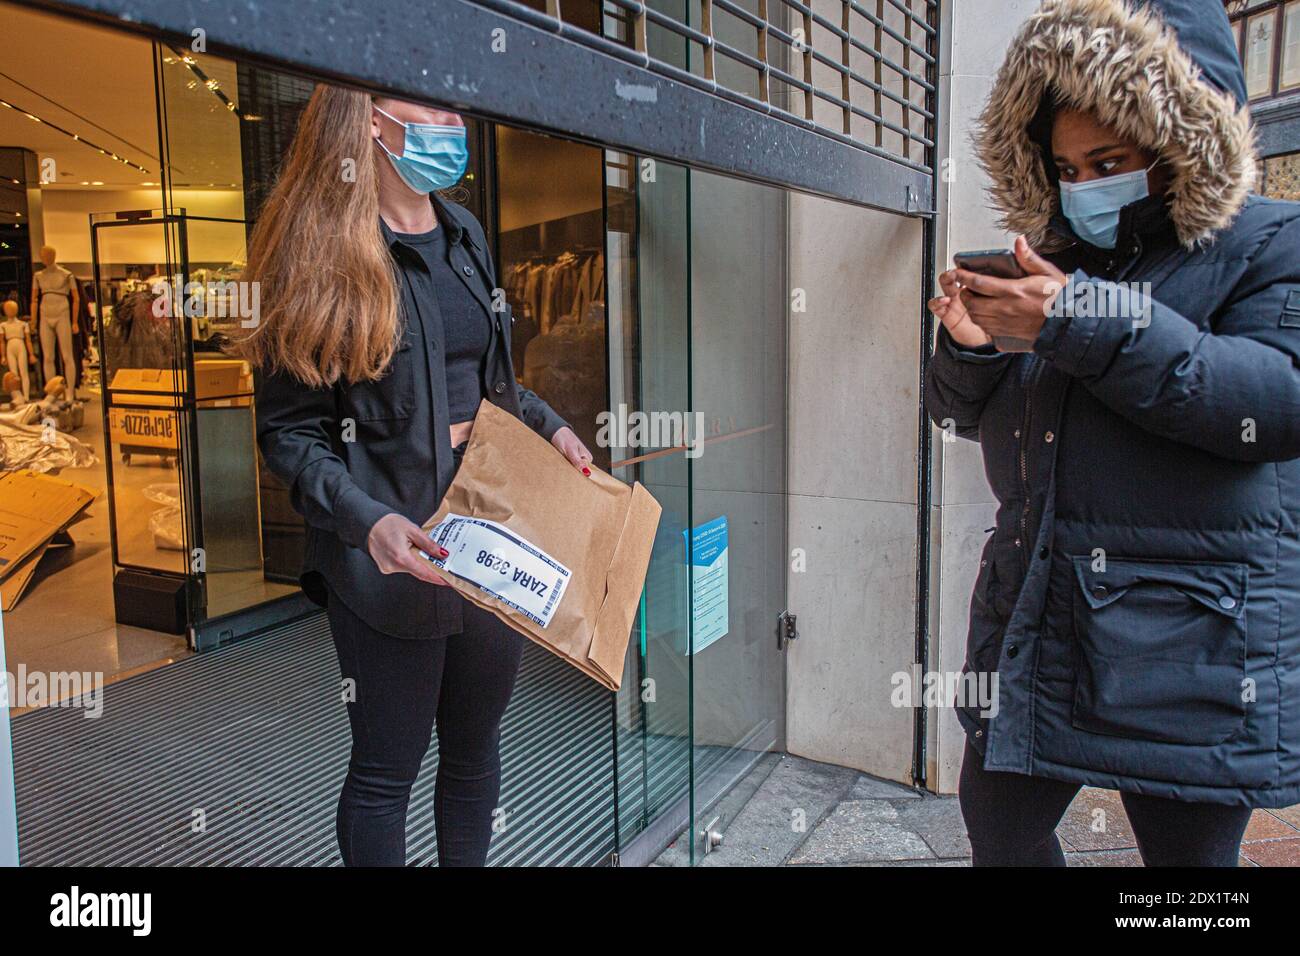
(17, 346)
(56, 300)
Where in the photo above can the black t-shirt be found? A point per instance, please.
(466, 324)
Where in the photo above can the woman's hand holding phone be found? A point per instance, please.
(949, 310)
(1012, 308)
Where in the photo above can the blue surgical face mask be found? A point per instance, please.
(1093, 207)
(433, 157)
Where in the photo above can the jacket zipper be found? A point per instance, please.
(1030, 384)
(1032, 381)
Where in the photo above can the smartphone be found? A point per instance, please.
(1001, 264)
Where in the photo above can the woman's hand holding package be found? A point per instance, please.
(572, 448)
(392, 544)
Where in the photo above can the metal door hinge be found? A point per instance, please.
(914, 207)
(710, 836)
(786, 629)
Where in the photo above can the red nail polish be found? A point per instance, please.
(443, 552)
(586, 471)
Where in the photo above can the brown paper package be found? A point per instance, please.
(601, 529)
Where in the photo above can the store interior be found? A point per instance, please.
(63, 618)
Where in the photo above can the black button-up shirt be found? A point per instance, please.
(466, 325)
(353, 453)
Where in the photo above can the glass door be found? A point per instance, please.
(697, 339)
(649, 323)
(214, 143)
(697, 349)
(735, 547)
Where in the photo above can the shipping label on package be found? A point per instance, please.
(500, 563)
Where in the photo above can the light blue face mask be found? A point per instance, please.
(1093, 207)
(433, 157)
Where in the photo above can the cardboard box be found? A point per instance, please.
(213, 378)
(573, 550)
(33, 508)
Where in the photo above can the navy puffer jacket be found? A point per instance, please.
(1139, 599)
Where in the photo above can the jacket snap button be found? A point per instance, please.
(1100, 591)
(1049, 438)
(979, 733)
(1227, 602)
(1017, 432)
(500, 388)
(1017, 542)
(468, 270)
(1013, 650)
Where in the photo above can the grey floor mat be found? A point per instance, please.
(235, 757)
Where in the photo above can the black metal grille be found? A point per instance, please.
(860, 71)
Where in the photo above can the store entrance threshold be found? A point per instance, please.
(235, 758)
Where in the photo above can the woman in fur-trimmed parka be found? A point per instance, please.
(1139, 598)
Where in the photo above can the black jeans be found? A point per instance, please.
(1011, 820)
(402, 688)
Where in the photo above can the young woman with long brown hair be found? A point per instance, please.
(377, 339)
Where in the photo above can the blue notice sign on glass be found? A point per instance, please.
(708, 565)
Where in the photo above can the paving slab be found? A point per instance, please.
(793, 798)
(873, 788)
(1096, 821)
(1289, 814)
(1273, 852)
(938, 821)
(862, 831)
(1264, 826)
(1104, 858)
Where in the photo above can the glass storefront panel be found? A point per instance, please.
(702, 349)
(737, 541)
(143, 361)
(203, 120)
(650, 345)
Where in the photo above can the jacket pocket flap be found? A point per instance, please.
(1221, 587)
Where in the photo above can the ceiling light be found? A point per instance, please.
(71, 135)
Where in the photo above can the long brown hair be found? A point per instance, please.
(328, 291)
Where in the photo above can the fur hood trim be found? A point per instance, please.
(1126, 66)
